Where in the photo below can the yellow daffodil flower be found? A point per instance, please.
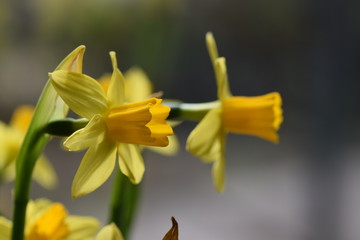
(138, 87)
(259, 116)
(113, 127)
(11, 137)
(46, 220)
(110, 232)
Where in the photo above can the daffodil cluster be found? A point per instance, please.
(118, 117)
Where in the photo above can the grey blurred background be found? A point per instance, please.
(307, 187)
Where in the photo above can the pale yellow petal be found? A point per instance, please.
(205, 140)
(95, 168)
(74, 61)
(116, 92)
(44, 173)
(138, 87)
(34, 210)
(104, 81)
(3, 151)
(83, 94)
(218, 168)
(222, 79)
(81, 227)
(110, 232)
(9, 173)
(93, 133)
(131, 162)
(5, 228)
(170, 150)
(212, 48)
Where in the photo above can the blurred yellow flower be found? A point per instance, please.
(138, 87)
(260, 116)
(11, 137)
(110, 232)
(113, 127)
(50, 221)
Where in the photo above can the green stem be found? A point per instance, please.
(65, 127)
(190, 111)
(32, 147)
(49, 107)
(123, 203)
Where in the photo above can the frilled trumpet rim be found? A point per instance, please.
(260, 116)
(139, 123)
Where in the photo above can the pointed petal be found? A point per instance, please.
(35, 209)
(131, 162)
(74, 61)
(116, 92)
(81, 227)
(222, 79)
(93, 133)
(4, 161)
(205, 140)
(9, 173)
(211, 46)
(109, 232)
(218, 174)
(170, 150)
(44, 173)
(80, 92)
(138, 87)
(95, 168)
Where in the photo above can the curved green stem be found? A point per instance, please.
(32, 147)
(49, 107)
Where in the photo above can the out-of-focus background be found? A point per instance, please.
(307, 187)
